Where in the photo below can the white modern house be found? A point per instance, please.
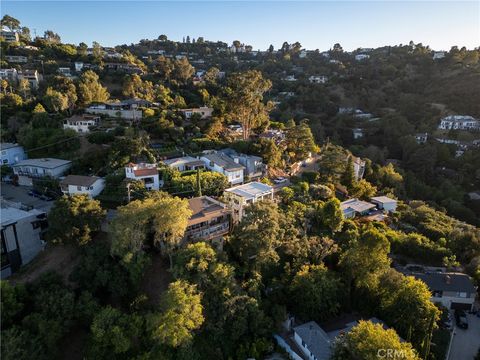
(9, 35)
(204, 112)
(37, 168)
(354, 207)
(225, 165)
(361, 57)
(358, 167)
(318, 79)
(459, 122)
(147, 173)
(32, 76)
(238, 197)
(9, 74)
(384, 203)
(439, 55)
(185, 163)
(21, 232)
(11, 153)
(78, 184)
(81, 124)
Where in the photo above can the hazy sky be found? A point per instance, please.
(315, 24)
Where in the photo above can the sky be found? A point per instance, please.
(315, 24)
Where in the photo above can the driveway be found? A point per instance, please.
(466, 343)
(19, 194)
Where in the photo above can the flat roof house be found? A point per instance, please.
(384, 203)
(11, 153)
(238, 197)
(147, 173)
(459, 122)
(210, 220)
(354, 207)
(254, 166)
(21, 237)
(37, 168)
(225, 165)
(78, 184)
(204, 112)
(9, 35)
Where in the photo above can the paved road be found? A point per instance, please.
(20, 194)
(466, 343)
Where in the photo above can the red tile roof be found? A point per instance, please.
(145, 172)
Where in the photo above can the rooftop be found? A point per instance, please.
(356, 205)
(79, 180)
(223, 161)
(204, 208)
(46, 163)
(5, 146)
(10, 215)
(383, 199)
(316, 339)
(459, 118)
(250, 190)
(437, 281)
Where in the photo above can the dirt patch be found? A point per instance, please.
(59, 258)
(156, 280)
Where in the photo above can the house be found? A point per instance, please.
(313, 341)
(453, 290)
(81, 123)
(254, 166)
(289, 78)
(358, 167)
(78, 184)
(357, 133)
(459, 122)
(32, 76)
(361, 57)
(354, 207)
(147, 173)
(38, 168)
(22, 233)
(384, 203)
(203, 111)
(238, 197)
(421, 138)
(302, 54)
(123, 68)
(78, 66)
(9, 74)
(8, 35)
(65, 71)
(185, 163)
(318, 79)
(438, 55)
(210, 220)
(223, 164)
(123, 109)
(272, 134)
(12, 153)
(18, 59)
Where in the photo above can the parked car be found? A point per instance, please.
(461, 319)
(280, 180)
(34, 193)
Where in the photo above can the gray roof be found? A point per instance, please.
(224, 161)
(316, 339)
(456, 282)
(46, 163)
(383, 199)
(356, 205)
(251, 189)
(79, 180)
(5, 146)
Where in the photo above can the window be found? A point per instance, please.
(5, 161)
(462, 294)
(79, 188)
(5, 260)
(303, 344)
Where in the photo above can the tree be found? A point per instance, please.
(299, 139)
(258, 234)
(10, 22)
(24, 87)
(183, 71)
(182, 314)
(315, 293)
(369, 341)
(164, 66)
(367, 259)
(348, 177)
(55, 101)
(245, 100)
(328, 215)
(97, 51)
(113, 334)
(67, 87)
(52, 37)
(136, 88)
(160, 216)
(90, 89)
(74, 219)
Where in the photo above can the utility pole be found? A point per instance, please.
(128, 192)
(199, 185)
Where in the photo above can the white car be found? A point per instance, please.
(280, 180)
